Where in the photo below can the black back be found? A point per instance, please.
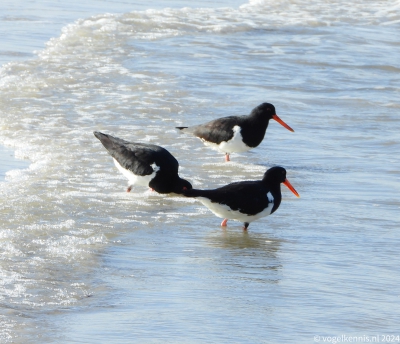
(138, 157)
(218, 130)
(253, 126)
(248, 197)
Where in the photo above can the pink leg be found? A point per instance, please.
(223, 223)
(227, 157)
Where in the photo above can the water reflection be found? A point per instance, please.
(250, 257)
(242, 240)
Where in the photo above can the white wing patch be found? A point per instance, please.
(155, 167)
(234, 145)
(135, 179)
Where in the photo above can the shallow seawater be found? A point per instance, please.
(8, 162)
(82, 261)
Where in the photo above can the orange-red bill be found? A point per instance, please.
(290, 187)
(276, 118)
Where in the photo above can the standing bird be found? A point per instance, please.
(245, 201)
(145, 164)
(236, 134)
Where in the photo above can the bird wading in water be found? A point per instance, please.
(245, 201)
(236, 134)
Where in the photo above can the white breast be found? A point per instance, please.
(234, 145)
(133, 178)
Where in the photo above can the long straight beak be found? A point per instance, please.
(291, 188)
(276, 118)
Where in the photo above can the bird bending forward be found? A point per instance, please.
(145, 164)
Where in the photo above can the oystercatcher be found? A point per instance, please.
(245, 201)
(145, 164)
(236, 134)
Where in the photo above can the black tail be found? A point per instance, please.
(104, 139)
(180, 128)
(99, 135)
(109, 142)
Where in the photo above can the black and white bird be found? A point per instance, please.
(245, 201)
(145, 164)
(236, 134)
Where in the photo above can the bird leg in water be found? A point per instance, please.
(227, 157)
(223, 223)
(246, 224)
(129, 188)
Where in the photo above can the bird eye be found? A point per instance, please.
(184, 188)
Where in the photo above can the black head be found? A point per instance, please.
(277, 175)
(181, 185)
(266, 111)
(177, 185)
(164, 183)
